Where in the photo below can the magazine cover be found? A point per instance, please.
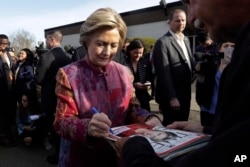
(167, 143)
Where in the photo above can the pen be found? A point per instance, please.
(95, 111)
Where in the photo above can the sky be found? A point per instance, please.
(36, 16)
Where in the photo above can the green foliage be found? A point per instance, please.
(148, 41)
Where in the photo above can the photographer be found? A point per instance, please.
(209, 70)
(40, 49)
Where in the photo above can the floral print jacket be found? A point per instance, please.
(79, 88)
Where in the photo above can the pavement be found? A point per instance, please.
(194, 115)
(23, 156)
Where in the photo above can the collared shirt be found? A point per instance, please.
(180, 40)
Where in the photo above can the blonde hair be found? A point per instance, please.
(101, 18)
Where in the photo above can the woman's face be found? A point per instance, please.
(103, 46)
(24, 101)
(22, 56)
(136, 54)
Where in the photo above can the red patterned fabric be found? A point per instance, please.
(79, 88)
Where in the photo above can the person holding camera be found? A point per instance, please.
(47, 67)
(208, 60)
(208, 81)
(8, 129)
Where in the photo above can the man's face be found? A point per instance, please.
(49, 42)
(220, 18)
(4, 43)
(178, 23)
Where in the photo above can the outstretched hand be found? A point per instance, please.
(187, 126)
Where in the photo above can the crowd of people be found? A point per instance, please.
(106, 82)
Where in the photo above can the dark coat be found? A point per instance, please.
(47, 68)
(25, 80)
(144, 73)
(7, 101)
(172, 71)
(7, 86)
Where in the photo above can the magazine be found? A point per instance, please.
(167, 143)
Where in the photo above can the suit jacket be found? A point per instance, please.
(7, 86)
(46, 70)
(173, 73)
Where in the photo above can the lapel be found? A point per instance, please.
(179, 49)
(187, 43)
(176, 45)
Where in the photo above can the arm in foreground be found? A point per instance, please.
(137, 152)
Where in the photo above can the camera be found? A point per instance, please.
(208, 64)
(40, 49)
(10, 49)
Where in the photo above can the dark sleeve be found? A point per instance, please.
(162, 69)
(137, 152)
(42, 67)
(222, 149)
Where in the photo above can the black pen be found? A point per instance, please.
(95, 111)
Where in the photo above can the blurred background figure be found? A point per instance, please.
(8, 128)
(25, 77)
(121, 54)
(141, 69)
(30, 123)
(206, 44)
(149, 56)
(209, 72)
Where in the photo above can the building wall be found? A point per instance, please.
(152, 30)
(147, 22)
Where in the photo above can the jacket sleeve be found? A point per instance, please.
(67, 122)
(42, 67)
(163, 70)
(137, 152)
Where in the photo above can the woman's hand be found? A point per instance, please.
(175, 104)
(99, 125)
(154, 121)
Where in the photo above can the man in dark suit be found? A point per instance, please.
(173, 64)
(8, 128)
(46, 70)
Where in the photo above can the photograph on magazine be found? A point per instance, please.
(167, 143)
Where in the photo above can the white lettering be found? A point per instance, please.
(240, 158)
